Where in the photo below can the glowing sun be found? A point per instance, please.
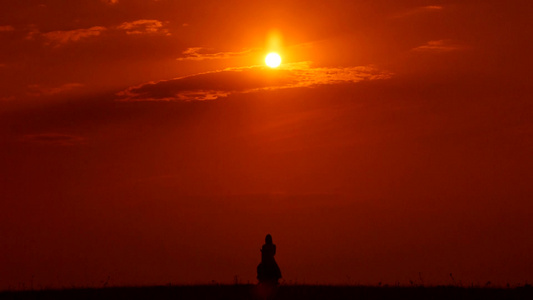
(273, 60)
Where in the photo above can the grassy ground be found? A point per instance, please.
(237, 292)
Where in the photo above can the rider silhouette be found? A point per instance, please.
(268, 270)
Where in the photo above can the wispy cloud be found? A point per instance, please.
(419, 10)
(438, 46)
(222, 83)
(53, 138)
(144, 27)
(60, 37)
(199, 53)
(39, 90)
(4, 28)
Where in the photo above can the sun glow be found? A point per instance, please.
(273, 60)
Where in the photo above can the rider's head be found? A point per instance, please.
(268, 239)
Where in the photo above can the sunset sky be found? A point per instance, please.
(146, 142)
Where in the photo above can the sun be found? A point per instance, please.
(273, 60)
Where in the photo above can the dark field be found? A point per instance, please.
(283, 292)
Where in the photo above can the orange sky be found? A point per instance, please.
(145, 141)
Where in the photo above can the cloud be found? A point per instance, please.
(438, 46)
(143, 27)
(62, 37)
(110, 1)
(194, 54)
(58, 38)
(222, 83)
(52, 138)
(38, 90)
(432, 7)
(33, 32)
(6, 28)
(7, 99)
(419, 10)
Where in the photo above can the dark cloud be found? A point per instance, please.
(52, 138)
(7, 98)
(199, 53)
(217, 84)
(62, 37)
(39, 90)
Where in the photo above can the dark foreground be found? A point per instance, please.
(293, 292)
